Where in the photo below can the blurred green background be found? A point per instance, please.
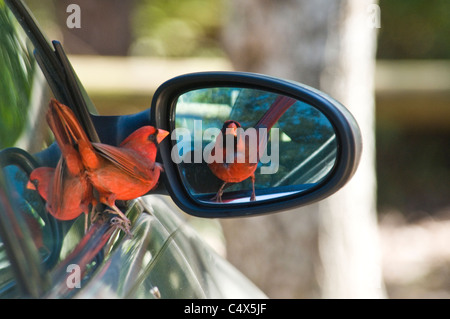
(413, 123)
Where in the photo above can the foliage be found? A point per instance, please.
(16, 71)
(414, 29)
(175, 28)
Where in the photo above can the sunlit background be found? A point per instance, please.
(125, 49)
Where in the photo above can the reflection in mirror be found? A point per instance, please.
(32, 210)
(238, 145)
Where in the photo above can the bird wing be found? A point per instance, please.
(56, 191)
(69, 136)
(127, 160)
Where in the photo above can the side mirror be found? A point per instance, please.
(247, 144)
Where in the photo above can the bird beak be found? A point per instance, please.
(161, 135)
(30, 185)
(232, 129)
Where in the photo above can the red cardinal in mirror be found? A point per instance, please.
(238, 170)
(117, 173)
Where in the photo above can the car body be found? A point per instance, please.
(42, 257)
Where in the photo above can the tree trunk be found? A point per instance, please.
(329, 249)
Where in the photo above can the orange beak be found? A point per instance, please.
(30, 185)
(161, 135)
(232, 129)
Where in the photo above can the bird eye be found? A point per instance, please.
(152, 137)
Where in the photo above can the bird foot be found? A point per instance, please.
(98, 215)
(120, 221)
(217, 198)
(124, 225)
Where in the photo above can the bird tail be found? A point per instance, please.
(276, 110)
(64, 124)
(71, 138)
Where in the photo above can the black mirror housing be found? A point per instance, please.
(242, 95)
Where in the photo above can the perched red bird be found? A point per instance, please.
(238, 170)
(116, 173)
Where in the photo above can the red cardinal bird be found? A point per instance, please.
(66, 188)
(237, 170)
(117, 173)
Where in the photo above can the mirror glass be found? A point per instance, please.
(235, 145)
